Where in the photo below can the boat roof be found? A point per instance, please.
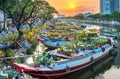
(60, 55)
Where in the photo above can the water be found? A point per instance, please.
(107, 68)
(93, 72)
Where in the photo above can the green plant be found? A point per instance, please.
(9, 38)
(30, 51)
(37, 60)
(21, 60)
(10, 73)
(8, 52)
(118, 37)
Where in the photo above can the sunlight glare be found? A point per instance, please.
(72, 6)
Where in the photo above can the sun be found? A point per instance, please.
(72, 6)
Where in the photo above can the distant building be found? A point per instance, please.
(57, 15)
(8, 20)
(80, 14)
(117, 5)
(1, 16)
(84, 15)
(109, 6)
(87, 14)
(1, 19)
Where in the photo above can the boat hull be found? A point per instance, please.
(50, 47)
(53, 44)
(59, 73)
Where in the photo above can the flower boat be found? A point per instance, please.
(53, 44)
(57, 64)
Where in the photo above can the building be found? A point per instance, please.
(117, 5)
(109, 6)
(84, 15)
(80, 14)
(87, 14)
(1, 19)
(1, 16)
(57, 15)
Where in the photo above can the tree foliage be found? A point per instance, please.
(114, 16)
(21, 11)
(25, 11)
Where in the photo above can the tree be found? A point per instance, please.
(116, 16)
(46, 11)
(21, 11)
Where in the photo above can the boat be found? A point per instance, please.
(54, 43)
(2, 46)
(93, 70)
(56, 64)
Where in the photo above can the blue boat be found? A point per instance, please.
(53, 44)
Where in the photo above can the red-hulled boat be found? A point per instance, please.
(63, 64)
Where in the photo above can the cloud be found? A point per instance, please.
(79, 9)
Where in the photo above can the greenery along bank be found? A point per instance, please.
(115, 16)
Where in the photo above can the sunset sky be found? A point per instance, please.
(73, 7)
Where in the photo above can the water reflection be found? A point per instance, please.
(95, 71)
(117, 58)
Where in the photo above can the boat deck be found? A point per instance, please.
(34, 68)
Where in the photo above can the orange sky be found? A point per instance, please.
(72, 7)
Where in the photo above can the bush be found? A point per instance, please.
(21, 60)
(8, 53)
(118, 38)
(93, 34)
(10, 38)
(10, 73)
(30, 51)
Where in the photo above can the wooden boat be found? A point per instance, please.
(53, 44)
(62, 64)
